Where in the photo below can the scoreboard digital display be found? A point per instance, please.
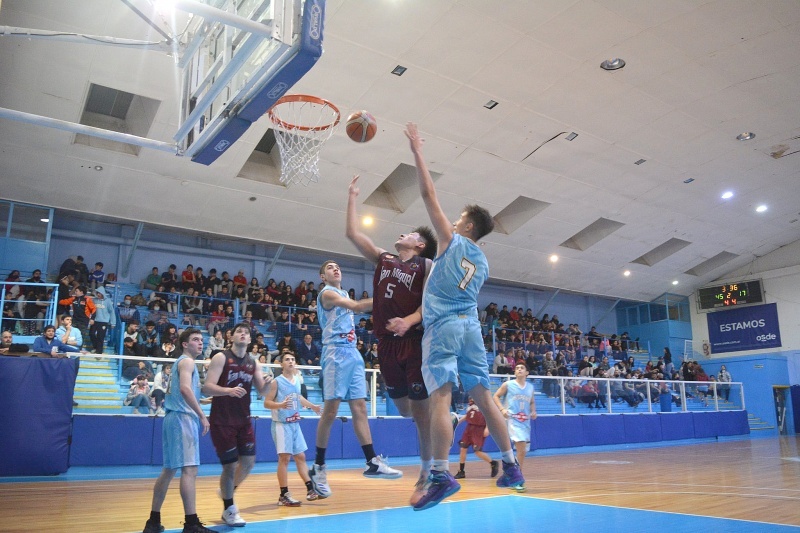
(730, 295)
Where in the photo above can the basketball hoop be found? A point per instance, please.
(302, 124)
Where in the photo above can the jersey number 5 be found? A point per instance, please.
(470, 269)
(389, 290)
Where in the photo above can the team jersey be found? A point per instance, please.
(229, 410)
(518, 400)
(174, 400)
(454, 281)
(286, 389)
(337, 323)
(397, 290)
(475, 417)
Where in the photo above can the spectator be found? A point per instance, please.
(272, 289)
(167, 350)
(152, 281)
(160, 387)
(218, 319)
(226, 284)
(311, 292)
(13, 289)
(287, 342)
(308, 352)
(212, 282)
(215, 344)
(36, 277)
(199, 280)
(7, 344)
(104, 318)
(253, 289)
(127, 311)
(149, 338)
(68, 334)
(158, 298)
(239, 280)
(725, 379)
(10, 317)
(97, 276)
(49, 344)
(302, 289)
(594, 338)
(169, 278)
(132, 332)
(81, 271)
(68, 267)
(134, 367)
(371, 356)
(187, 278)
(139, 396)
(504, 363)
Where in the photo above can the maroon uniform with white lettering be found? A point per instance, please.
(231, 430)
(397, 292)
(473, 433)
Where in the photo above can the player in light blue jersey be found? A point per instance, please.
(452, 345)
(284, 399)
(515, 400)
(181, 444)
(343, 377)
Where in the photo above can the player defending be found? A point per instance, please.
(231, 375)
(284, 400)
(180, 442)
(397, 293)
(474, 435)
(515, 400)
(452, 345)
(343, 377)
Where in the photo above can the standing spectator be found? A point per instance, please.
(67, 267)
(97, 276)
(152, 281)
(104, 318)
(81, 271)
(724, 378)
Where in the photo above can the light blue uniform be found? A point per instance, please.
(342, 365)
(180, 433)
(285, 427)
(452, 344)
(518, 402)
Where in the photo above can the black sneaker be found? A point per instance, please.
(150, 527)
(197, 528)
(495, 467)
(460, 475)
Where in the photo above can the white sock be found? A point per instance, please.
(508, 457)
(426, 467)
(440, 465)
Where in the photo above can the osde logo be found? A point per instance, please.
(767, 337)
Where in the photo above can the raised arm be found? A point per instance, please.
(331, 299)
(357, 237)
(442, 226)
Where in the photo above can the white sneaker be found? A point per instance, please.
(319, 480)
(231, 517)
(377, 467)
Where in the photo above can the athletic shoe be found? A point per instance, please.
(231, 517)
(440, 485)
(377, 467)
(419, 488)
(287, 501)
(197, 528)
(311, 495)
(150, 527)
(519, 488)
(454, 421)
(460, 475)
(319, 480)
(495, 467)
(512, 476)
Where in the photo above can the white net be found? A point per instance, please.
(302, 124)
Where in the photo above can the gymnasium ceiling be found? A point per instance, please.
(698, 74)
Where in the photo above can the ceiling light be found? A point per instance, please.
(612, 64)
(727, 195)
(626, 273)
(571, 136)
(44, 219)
(675, 282)
(98, 168)
(399, 70)
(746, 136)
(761, 208)
(554, 258)
(491, 104)
(639, 162)
(367, 221)
(688, 180)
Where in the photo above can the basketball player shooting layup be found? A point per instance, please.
(397, 299)
(452, 345)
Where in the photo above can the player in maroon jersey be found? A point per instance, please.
(474, 435)
(397, 295)
(229, 380)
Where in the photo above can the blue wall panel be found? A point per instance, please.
(676, 426)
(559, 431)
(111, 440)
(642, 428)
(603, 429)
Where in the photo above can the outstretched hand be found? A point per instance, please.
(412, 133)
(353, 190)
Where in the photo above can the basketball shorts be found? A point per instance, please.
(451, 348)
(343, 373)
(519, 432)
(232, 441)
(401, 366)
(180, 440)
(472, 436)
(288, 438)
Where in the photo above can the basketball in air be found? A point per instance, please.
(361, 126)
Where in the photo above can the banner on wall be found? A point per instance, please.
(747, 328)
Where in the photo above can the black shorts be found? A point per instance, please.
(401, 366)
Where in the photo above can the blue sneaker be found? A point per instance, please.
(512, 476)
(440, 485)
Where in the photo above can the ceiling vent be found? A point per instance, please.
(661, 252)
(592, 234)
(517, 213)
(115, 110)
(399, 190)
(710, 264)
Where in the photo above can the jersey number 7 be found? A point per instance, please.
(470, 270)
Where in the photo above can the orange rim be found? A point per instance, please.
(303, 98)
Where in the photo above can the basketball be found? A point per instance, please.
(361, 126)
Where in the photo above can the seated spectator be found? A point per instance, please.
(160, 387)
(549, 364)
(134, 367)
(149, 338)
(308, 353)
(167, 350)
(36, 277)
(127, 311)
(218, 320)
(49, 344)
(225, 284)
(371, 355)
(199, 280)
(139, 396)
(169, 278)
(211, 282)
(504, 362)
(215, 344)
(7, 344)
(68, 334)
(152, 281)
(361, 347)
(96, 276)
(253, 289)
(240, 280)
(157, 298)
(170, 334)
(286, 342)
(172, 302)
(272, 289)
